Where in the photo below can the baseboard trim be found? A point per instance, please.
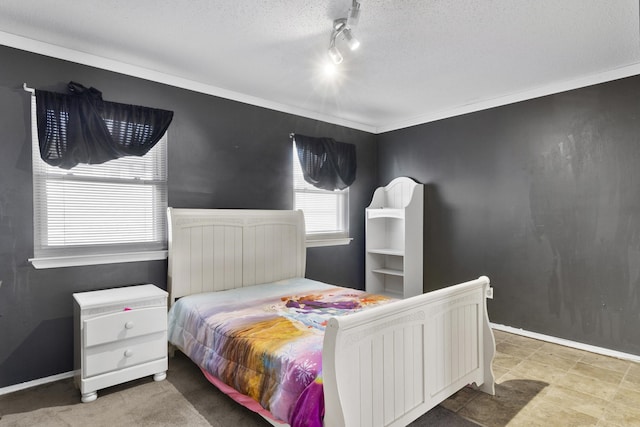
(567, 343)
(33, 383)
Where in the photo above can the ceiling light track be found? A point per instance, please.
(343, 28)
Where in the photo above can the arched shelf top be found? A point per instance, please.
(398, 194)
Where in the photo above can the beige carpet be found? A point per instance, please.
(141, 403)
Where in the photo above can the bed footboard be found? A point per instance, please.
(389, 365)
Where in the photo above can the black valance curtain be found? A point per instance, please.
(326, 163)
(79, 127)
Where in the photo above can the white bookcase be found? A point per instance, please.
(394, 239)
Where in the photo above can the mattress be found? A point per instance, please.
(263, 344)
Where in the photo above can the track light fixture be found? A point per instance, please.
(342, 27)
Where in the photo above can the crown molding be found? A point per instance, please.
(550, 89)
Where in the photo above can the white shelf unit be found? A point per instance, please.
(394, 239)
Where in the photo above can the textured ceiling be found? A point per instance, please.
(419, 60)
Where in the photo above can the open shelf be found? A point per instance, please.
(389, 271)
(385, 213)
(391, 294)
(386, 251)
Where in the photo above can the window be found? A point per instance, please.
(104, 213)
(326, 213)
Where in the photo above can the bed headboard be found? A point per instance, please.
(217, 249)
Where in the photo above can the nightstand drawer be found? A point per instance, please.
(122, 354)
(124, 325)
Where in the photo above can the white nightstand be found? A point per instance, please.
(120, 335)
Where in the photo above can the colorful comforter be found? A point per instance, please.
(266, 341)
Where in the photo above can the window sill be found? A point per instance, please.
(315, 243)
(79, 260)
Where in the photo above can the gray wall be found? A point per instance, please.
(222, 154)
(543, 196)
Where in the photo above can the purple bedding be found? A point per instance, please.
(265, 341)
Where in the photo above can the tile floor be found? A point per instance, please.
(544, 384)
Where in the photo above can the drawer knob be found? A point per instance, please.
(128, 325)
(128, 353)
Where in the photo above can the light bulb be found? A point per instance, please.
(330, 69)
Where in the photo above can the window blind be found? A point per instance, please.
(326, 213)
(109, 208)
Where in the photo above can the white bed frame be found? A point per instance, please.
(384, 366)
